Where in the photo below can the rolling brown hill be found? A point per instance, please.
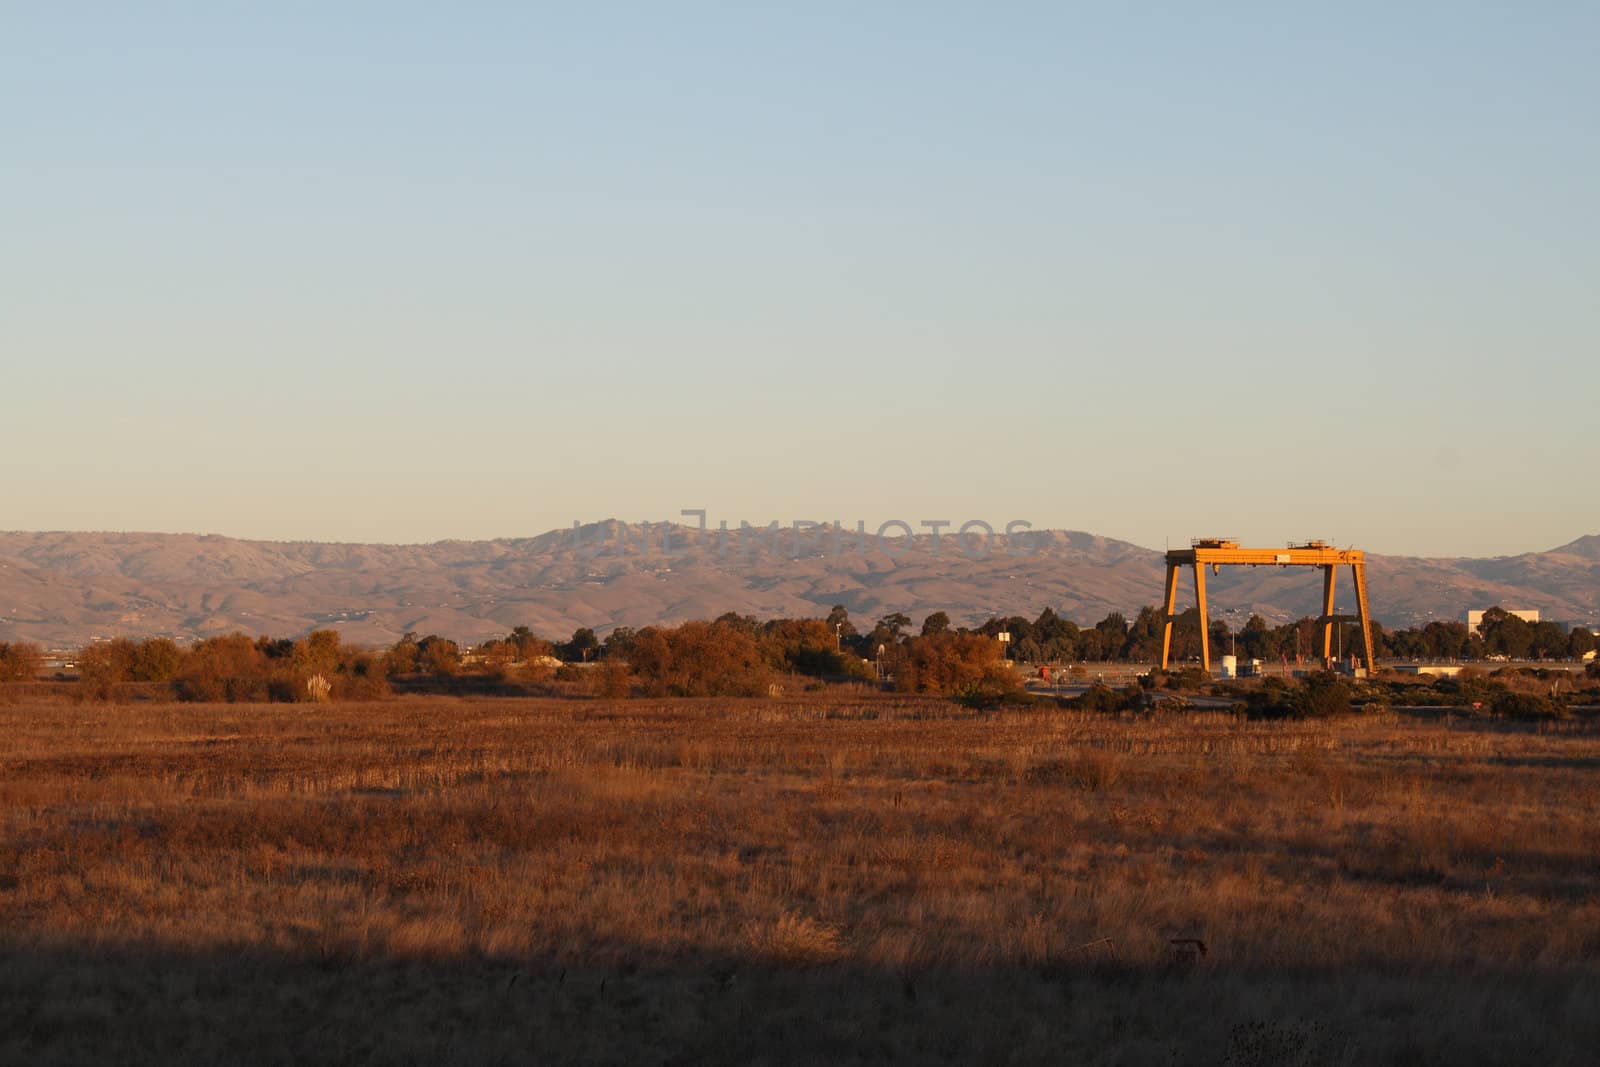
(64, 589)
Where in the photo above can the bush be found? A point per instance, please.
(20, 662)
(104, 666)
(1103, 698)
(1322, 694)
(1170, 705)
(1511, 705)
(1000, 690)
(696, 659)
(1316, 696)
(1276, 699)
(235, 669)
(155, 660)
(612, 678)
(1188, 678)
(1471, 686)
(360, 677)
(952, 663)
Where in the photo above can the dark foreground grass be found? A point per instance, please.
(149, 1007)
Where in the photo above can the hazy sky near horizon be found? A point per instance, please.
(403, 272)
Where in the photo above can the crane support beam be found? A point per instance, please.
(1327, 613)
(1218, 552)
(1171, 602)
(1358, 573)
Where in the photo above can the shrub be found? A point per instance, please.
(1511, 705)
(1322, 694)
(1101, 697)
(1094, 770)
(403, 657)
(20, 662)
(438, 656)
(697, 659)
(1471, 686)
(613, 678)
(155, 660)
(104, 666)
(1316, 696)
(360, 677)
(1188, 678)
(998, 690)
(231, 668)
(952, 663)
(1274, 700)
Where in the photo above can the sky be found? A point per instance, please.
(400, 272)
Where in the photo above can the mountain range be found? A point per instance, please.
(65, 589)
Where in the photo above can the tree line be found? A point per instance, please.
(1051, 639)
(738, 655)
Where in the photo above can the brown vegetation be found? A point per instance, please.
(804, 879)
(19, 661)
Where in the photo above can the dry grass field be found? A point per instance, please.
(810, 879)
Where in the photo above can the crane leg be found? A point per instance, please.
(1359, 572)
(1327, 615)
(1167, 616)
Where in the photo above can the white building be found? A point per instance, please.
(1475, 617)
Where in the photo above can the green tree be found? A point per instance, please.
(1505, 634)
(1143, 642)
(582, 647)
(1257, 640)
(838, 622)
(894, 624)
(1056, 638)
(617, 640)
(937, 623)
(1547, 641)
(1445, 640)
(1220, 639)
(528, 645)
(1114, 627)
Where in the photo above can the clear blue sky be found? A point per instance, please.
(405, 272)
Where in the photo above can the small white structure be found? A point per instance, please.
(1230, 666)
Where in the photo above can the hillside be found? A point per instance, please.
(63, 589)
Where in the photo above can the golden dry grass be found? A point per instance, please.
(838, 878)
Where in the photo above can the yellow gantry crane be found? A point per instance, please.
(1217, 552)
